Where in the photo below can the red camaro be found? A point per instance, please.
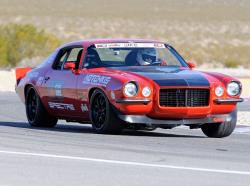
(127, 83)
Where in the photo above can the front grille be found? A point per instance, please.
(184, 97)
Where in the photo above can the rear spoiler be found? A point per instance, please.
(21, 73)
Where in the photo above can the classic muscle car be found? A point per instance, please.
(127, 83)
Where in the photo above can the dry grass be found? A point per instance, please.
(209, 31)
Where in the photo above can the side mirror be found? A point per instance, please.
(69, 65)
(191, 64)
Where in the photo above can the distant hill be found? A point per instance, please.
(208, 31)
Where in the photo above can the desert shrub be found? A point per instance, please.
(3, 51)
(230, 63)
(18, 42)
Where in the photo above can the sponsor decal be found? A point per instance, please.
(56, 88)
(40, 81)
(84, 108)
(93, 79)
(61, 106)
(130, 45)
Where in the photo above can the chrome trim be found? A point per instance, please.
(143, 101)
(136, 84)
(240, 85)
(229, 100)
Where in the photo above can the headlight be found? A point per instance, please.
(130, 89)
(146, 91)
(219, 91)
(233, 89)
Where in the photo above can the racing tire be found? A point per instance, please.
(36, 113)
(102, 115)
(220, 130)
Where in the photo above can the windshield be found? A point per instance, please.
(132, 54)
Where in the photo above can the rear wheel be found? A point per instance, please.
(102, 115)
(220, 130)
(36, 114)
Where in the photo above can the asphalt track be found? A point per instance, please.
(71, 154)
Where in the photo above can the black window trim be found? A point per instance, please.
(81, 66)
(59, 53)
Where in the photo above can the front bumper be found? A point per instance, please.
(142, 119)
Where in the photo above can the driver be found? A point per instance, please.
(146, 56)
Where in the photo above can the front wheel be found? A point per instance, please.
(102, 115)
(220, 130)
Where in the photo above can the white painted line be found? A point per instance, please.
(126, 162)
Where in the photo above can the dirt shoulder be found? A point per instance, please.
(7, 80)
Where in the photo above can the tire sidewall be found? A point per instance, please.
(105, 124)
(42, 117)
(223, 129)
(28, 94)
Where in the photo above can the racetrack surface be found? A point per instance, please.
(71, 154)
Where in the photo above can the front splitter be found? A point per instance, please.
(142, 119)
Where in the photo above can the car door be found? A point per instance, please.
(60, 83)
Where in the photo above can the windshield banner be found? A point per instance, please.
(130, 45)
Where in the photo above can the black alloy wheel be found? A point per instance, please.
(220, 130)
(36, 113)
(103, 118)
(99, 111)
(32, 106)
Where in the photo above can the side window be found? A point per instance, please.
(92, 58)
(60, 59)
(72, 55)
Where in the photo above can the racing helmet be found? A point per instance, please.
(146, 56)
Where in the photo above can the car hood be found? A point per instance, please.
(168, 76)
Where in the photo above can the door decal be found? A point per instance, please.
(61, 106)
(55, 90)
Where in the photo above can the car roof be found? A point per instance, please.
(89, 42)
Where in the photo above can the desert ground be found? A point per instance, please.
(210, 32)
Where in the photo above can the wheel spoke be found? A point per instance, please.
(101, 101)
(97, 103)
